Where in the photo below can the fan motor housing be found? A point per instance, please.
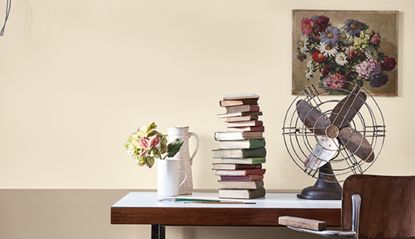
(332, 131)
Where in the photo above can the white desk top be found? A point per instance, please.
(271, 200)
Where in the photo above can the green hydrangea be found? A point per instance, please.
(147, 144)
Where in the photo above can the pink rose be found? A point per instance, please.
(154, 141)
(144, 143)
(375, 39)
(306, 26)
(143, 153)
(149, 143)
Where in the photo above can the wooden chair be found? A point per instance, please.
(372, 207)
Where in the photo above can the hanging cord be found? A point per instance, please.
(8, 7)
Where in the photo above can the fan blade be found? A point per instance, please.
(325, 150)
(312, 118)
(344, 112)
(356, 144)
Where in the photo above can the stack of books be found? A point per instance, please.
(241, 153)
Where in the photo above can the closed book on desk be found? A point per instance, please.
(242, 144)
(223, 166)
(239, 153)
(240, 172)
(240, 160)
(242, 193)
(246, 178)
(241, 184)
(236, 135)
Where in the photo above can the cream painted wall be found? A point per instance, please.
(78, 76)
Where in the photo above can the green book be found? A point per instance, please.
(239, 160)
(241, 184)
(239, 153)
(242, 144)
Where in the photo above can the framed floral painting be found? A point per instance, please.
(333, 48)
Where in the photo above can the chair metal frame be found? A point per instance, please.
(354, 233)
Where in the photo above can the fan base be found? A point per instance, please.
(318, 193)
(326, 187)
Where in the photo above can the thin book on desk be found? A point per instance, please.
(205, 200)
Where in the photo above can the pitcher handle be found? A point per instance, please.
(197, 146)
(184, 179)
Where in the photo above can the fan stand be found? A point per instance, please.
(326, 187)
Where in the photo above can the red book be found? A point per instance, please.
(242, 108)
(242, 178)
(239, 114)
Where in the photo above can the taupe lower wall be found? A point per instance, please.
(85, 214)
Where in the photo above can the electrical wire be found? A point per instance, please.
(8, 7)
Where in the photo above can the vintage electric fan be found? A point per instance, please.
(331, 137)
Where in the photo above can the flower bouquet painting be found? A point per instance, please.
(332, 49)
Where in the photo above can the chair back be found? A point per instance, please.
(387, 208)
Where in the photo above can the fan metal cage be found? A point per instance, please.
(300, 141)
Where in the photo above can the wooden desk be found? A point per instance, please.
(144, 208)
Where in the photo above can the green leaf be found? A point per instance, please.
(163, 144)
(142, 161)
(151, 127)
(150, 161)
(157, 154)
(174, 147)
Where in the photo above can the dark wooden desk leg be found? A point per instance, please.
(158, 231)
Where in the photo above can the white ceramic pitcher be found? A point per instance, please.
(168, 173)
(184, 157)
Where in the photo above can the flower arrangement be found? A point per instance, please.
(348, 53)
(147, 144)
